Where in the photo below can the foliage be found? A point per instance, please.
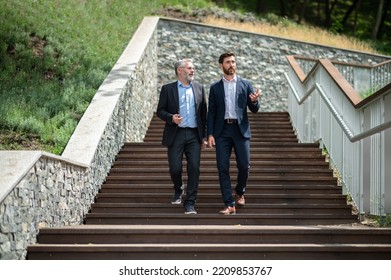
(359, 24)
(366, 93)
(54, 55)
(384, 221)
(382, 46)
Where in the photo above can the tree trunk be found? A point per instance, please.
(328, 10)
(349, 12)
(261, 7)
(282, 8)
(378, 20)
(302, 10)
(356, 17)
(384, 18)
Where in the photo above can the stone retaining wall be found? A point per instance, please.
(260, 59)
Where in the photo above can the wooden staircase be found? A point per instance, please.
(294, 208)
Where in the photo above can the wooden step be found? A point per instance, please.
(206, 178)
(318, 164)
(208, 171)
(197, 242)
(254, 156)
(213, 208)
(216, 219)
(139, 234)
(232, 251)
(216, 198)
(214, 188)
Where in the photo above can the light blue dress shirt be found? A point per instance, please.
(187, 106)
(230, 98)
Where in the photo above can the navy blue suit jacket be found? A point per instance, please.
(216, 109)
(169, 105)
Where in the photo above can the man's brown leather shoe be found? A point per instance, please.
(239, 199)
(229, 210)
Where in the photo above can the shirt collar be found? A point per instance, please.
(230, 81)
(181, 85)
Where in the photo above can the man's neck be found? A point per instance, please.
(184, 83)
(229, 77)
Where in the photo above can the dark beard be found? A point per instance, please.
(229, 71)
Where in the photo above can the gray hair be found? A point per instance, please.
(181, 63)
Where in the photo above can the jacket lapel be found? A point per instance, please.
(196, 95)
(176, 95)
(239, 87)
(221, 97)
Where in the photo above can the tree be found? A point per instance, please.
(261, 6)
(375, 30)
(296, 9)
(349, 12)
(282, 8)
(356, 17)
(384, 19)
(328, 9)
(302, 10)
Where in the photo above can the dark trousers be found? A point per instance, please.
(186, 143)
(231, 138)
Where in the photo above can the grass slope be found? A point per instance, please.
(54, 54)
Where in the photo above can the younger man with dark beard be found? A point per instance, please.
(228, 128)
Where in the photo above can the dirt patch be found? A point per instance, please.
(201, 15)
(11, 140)
(37, 44)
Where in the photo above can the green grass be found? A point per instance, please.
(54, 55)
(384, 221)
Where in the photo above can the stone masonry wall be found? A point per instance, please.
(52, 193)
(260, 59)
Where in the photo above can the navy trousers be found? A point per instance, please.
(231, 138)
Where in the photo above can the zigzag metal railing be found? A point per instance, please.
(326, 108)
(375, 77)
(353, 138)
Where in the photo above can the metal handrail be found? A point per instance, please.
(352, 138)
